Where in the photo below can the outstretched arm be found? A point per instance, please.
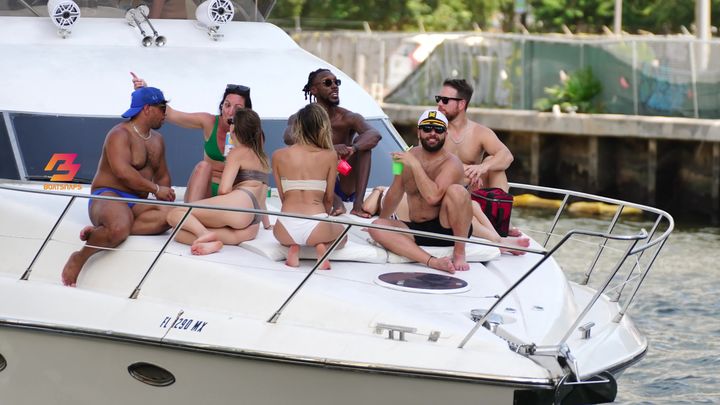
(197, 120)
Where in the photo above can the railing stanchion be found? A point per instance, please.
(276, 315)
(556, 219)
(175, 230)
(27, 272)
(601, 248)
(624, 308)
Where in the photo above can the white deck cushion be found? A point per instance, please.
(473, 253)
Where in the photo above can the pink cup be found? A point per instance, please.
(344, 167)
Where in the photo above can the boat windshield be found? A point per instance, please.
(34, 138)
(245, 10)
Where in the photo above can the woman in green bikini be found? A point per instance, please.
(205, 178)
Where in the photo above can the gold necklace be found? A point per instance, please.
(144, 138)
(462, 138)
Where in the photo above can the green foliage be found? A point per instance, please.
(409, 15)
(576, 94)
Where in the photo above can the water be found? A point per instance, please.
(677, 310)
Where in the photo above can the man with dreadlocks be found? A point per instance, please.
(353, 140)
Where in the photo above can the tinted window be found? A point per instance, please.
(40, 137)
(8, 167)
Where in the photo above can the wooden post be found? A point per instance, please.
(593, 163)
(535, 158)
(652, 171)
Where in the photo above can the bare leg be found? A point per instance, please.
(456, 211)
(293, 256)
(361, 169)
(113, 221)
(199, 183)
(149, 219)
(373, 204)
(404, 245)
(320, 250)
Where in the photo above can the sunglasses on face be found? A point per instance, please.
(445, 100)
(238, 88)
(162, 107)
(429, 128)
(230, 121)
(329, 82)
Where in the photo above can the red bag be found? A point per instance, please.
(497, 206)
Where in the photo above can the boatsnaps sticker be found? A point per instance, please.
(64, 163)
(192, 325)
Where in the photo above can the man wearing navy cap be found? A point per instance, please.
(132, 165)
(437, 202)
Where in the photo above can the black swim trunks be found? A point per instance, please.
(434, 226)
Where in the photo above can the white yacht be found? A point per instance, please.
(149, 323)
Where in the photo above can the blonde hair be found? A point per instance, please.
(312, 127)
(248, 132)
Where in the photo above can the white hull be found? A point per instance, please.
(52, 368)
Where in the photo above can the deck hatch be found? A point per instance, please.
(422, 282)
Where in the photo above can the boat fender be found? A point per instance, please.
(600, 208)
(533, 201)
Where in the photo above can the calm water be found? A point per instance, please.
(677, 309)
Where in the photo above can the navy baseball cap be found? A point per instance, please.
(142, 97)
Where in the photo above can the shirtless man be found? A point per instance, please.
(132, 165)
(485, 158)
(437, 202)
(324, 87)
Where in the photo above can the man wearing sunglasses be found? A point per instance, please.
(437, 201)
(353, 139)
(485, 158)
(132, 165)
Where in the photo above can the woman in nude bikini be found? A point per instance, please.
(205, 178)
(305, 174)
(244, 184)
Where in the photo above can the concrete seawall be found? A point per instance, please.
(671, 163)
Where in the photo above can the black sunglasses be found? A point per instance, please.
(329, 82)
(161, 106)
(230, 121)
(429, 128)
(238, 88)
(446, 100)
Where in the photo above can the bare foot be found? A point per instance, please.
(86, 232)
(320, 250)
(522, 242)
(371, 205)
(205, 248)
(208, 237)
(441, 263)
(460, 263)
(514, 231)
(71, 271)
(293, 256)
(361, 213)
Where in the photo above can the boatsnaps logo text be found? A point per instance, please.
(65, 168)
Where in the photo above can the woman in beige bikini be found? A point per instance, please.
(305, 174)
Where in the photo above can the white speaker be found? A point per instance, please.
(213, 13)
(63, 13)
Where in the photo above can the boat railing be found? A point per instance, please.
(639, 243)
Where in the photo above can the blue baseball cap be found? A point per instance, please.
(142, 97)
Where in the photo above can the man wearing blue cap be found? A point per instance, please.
(132, 165)
(437, 202)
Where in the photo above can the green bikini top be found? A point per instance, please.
(211, 146)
